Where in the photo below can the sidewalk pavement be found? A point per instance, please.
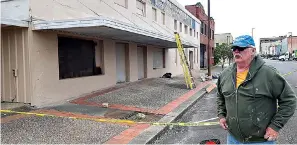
(215, 69)
(160, 99)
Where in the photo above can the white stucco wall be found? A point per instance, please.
(69, 9)
(43, 47)
(15, 10)
(48, 89)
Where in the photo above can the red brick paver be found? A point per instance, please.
(12, 118)
(172, 105)
(162, 111)
(126, 136)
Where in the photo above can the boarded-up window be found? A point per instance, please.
(202, 28)
(175, 60)
(140, 5)
(180, 27)
(175, 24)
(198, 54)
(121, 3)
(163, 18)
(205, 29)
(194, 54)
(187, 53)
(186, 29)
(77, 58)
(159, 59)
(154, 14)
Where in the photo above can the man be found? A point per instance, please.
(254, 100)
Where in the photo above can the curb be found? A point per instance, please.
(151, 133)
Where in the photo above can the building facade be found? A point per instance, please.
(198, 11)
(226, 38)
(292, 43)
(56, 50)
(272, 46)
(278, 45)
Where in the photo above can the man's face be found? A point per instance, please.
(243, 55)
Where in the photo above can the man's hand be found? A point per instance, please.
(223, 123)
(271, 135)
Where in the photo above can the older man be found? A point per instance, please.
(249, 93)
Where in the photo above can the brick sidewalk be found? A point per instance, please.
(122, 137)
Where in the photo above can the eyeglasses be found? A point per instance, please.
(239, 48)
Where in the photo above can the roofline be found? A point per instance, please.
(14, 22)
(185, 10)
(222, 33)
(104, 22)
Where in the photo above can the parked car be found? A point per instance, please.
(284, 57)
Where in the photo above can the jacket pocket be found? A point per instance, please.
(228, 93)
(249, 129)
(261, 120)
(255, 125)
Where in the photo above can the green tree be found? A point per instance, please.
(230, 54)
(222, 53)
(217, 55)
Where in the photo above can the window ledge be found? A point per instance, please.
(157, 68)
(121, 5)
(82, 77)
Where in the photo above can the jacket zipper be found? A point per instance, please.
(236, 96)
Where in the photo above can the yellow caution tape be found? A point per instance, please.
(118, 120)
(202, 123)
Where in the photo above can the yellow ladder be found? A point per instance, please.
(184, 62)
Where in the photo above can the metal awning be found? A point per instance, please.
(12, 22)
(113, 29)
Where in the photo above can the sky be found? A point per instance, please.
(269, 17)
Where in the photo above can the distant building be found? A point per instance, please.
(278, 45)
(290, 44)
(226, 38)
(272, 46)
(198, 11)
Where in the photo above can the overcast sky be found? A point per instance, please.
(268, 17)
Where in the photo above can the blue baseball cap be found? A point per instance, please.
(243, 41)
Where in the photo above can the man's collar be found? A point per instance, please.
(256, 64)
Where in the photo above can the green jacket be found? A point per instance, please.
(252, 107)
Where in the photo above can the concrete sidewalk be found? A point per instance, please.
(159, 99)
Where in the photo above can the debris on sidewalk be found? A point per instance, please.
(210, 88)
(216, 75)
(140, 116)
(105, 105)
(208, 78)
(167, 75)
(202, 77)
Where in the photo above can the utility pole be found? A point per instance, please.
(291, 41)
(290, 54)
(209, 33)
(253, 32)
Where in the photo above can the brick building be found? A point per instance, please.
(198, 11)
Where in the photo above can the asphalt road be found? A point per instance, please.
(206, 108)
(284, 68)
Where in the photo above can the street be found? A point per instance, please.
(206, 109)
